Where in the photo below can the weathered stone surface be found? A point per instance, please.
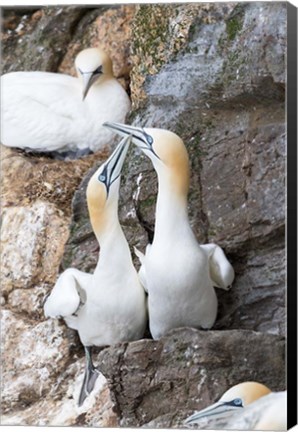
(37, 40)
(32, 354)
(168, 379)
(168, 28)
(27, 178)
(29, 301)
(58, 405)
(31, 238)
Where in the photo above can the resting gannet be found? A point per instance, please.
(178, 273)
(108, 306)
(47, 112)
(237, 398)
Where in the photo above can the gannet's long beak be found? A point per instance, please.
(112, 167)
(219, 409)
(88, 80)
(139, 136)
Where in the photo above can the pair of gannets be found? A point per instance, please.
(108, 306)
(239, 397)
(52, 112)
(177, 272)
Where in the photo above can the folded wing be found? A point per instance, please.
(68, 294)
(220, 270)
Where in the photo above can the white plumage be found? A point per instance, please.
(46, 112)
(178, 273)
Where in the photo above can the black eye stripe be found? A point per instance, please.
(148, 137)
(104, 176)
(98, 70)
(235, 402)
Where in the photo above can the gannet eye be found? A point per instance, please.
(98, 70)
(102, 178)
(149, 138)
(237, 402)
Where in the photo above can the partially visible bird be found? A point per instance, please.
(108, 306)
(237, 398)
(178, 273)
(53, 112)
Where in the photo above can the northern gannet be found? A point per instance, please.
(108, 306)
(237, 398)
(178, 273)
(47, 112)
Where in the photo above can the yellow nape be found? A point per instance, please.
(171, 150)
(248, 391)
(96, 200)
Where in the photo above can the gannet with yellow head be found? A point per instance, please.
(178, 273)
(234, 399)
(46, 112)
(237, 398)
(108, 306)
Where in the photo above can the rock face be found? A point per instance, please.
(31, 238)
(215, 75)
(159, 383)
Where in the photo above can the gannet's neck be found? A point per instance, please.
(114, 249)
(171, 210)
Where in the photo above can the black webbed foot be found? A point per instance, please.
(90, 377)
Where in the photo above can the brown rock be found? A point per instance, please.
(41, 178)
(37, 40)
(168, 379)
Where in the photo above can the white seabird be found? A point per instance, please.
(53, 112)
(239, 397)
(178, 273)
(108, 306)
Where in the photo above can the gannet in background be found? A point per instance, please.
(178, 273)
(46, 112)
(108, 306)
(236, 399)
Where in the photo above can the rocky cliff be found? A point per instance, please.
(215, 75)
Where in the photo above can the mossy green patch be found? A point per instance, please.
(234, 25)
(235, 22)
(148, 202)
